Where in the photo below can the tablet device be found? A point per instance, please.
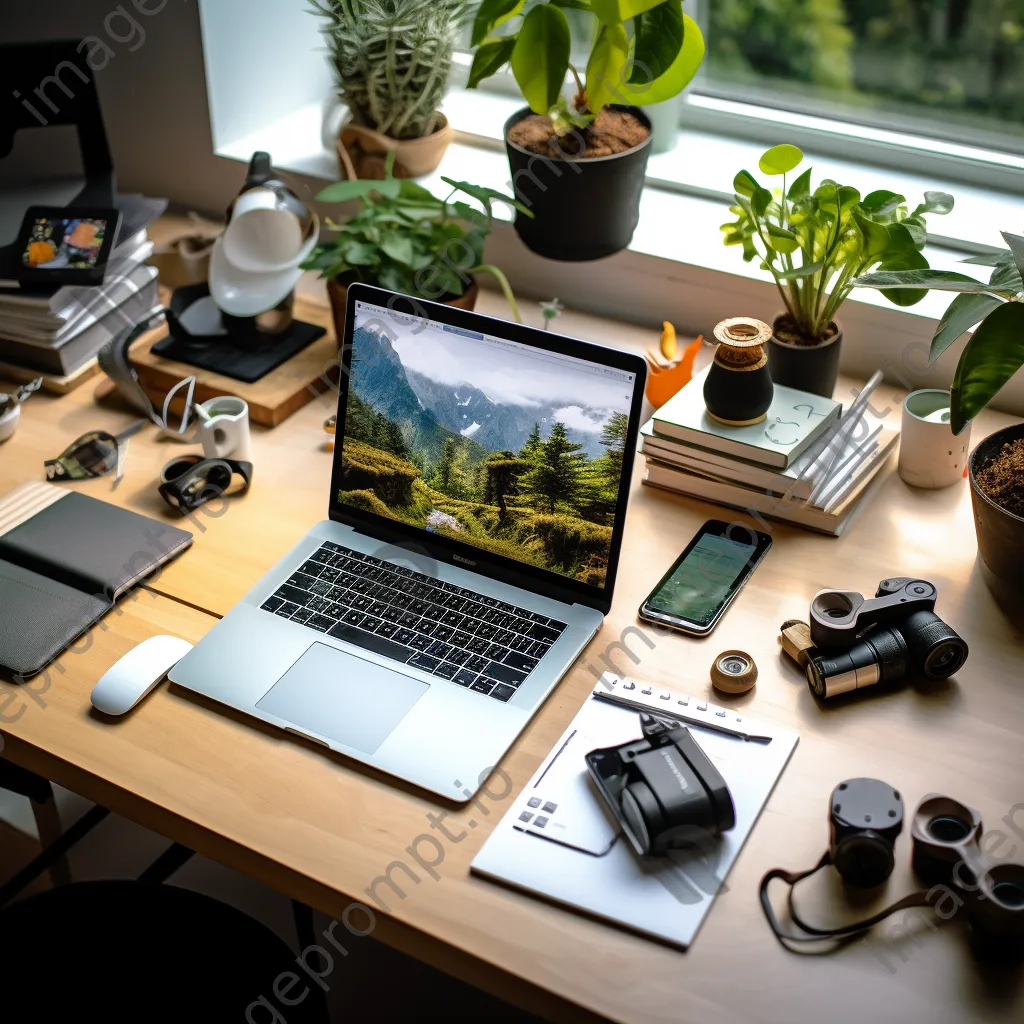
(66, 245)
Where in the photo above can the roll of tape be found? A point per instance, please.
(734, 672)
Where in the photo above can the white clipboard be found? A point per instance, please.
(558, 842)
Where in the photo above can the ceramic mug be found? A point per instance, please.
(931, 455)
(223, 428)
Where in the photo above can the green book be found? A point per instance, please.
(795, 420)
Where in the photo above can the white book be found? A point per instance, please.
(832, 521)
(794, 420)
(858, 456)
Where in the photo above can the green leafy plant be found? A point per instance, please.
(995, 351)
(407, 240)
(643, 51)
(391, 59)
(815, 242)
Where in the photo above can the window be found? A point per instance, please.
(951, 69)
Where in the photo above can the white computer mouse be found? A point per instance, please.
(135, 674)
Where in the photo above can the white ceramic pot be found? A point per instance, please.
(931, 455)
(9, 422)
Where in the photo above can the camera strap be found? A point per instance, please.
(810, 933)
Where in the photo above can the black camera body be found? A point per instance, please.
(864, 821)
(662, 789)
(890, 637)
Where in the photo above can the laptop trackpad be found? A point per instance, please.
(342, 697)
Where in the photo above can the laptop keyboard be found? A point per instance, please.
(486, 645)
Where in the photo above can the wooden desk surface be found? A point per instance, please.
(322, 829)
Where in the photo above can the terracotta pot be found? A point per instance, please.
(1000, 532)
(583, 215)
(362, 151)
(338, 293)
(812, 368)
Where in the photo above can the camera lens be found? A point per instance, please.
(935, 648)
(947, 828)
(1010, 894)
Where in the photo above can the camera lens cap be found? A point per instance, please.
(734, 672)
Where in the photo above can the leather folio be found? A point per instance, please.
(65, 559)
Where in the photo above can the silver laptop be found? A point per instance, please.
(481, 472)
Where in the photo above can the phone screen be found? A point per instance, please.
(707, 574)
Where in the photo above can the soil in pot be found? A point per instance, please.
(1002, 479)
(613, 131)
(796, 362)
(584, 188)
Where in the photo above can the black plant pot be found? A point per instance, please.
(582, 209)
(812, 368)
(1000, 532)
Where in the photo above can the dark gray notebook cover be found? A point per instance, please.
(61, 569)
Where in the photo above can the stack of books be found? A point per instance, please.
(57, 330)
(808, 463)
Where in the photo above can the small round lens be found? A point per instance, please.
(1010, 894)
(734, 666)
(944, 659)
(947, 828)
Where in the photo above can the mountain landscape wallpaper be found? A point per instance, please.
(502, 447)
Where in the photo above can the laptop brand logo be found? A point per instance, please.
(464, 561)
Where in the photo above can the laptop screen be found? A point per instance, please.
(504, 446)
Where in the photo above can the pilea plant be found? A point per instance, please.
(995, 351)
(644, 51)
(816, 241)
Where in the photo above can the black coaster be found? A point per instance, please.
(243, 357)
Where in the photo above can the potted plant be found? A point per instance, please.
(815, 242)
(994, 353)
(391, 60)
(407, 240)
(579, 164)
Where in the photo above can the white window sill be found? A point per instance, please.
(676, 267)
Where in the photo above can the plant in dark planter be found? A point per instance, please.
(815, 242)
(579, 163)
(407, 240)
(391, 60)
(994, 353)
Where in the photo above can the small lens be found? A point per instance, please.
(1010, 894)
(734, 666)
(947, 828)
(943, 660)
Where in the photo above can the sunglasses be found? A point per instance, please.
(190, 481)
(96, 453)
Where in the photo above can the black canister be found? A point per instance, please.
(738, 389)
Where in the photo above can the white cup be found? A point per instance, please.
(223, 428)
(263, 235)
(931, 455)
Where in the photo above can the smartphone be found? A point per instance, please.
(702, 582)
(66, 245)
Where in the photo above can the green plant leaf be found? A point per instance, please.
(918, 231)
(343, 191)
(782, 239)
(490, 14)
(801, 187)
(780, 159)
(964, 312)
(606, 67)
(665, 86)
(1006, 277)
(760, 201)
(574, 5)
(1016, 244)
(902, 241)
(360, 254)
(940, 280)
(540, 57)
(992, 356)
(490, 58)
(745, 184)
(910, 260)
(398, 247)
(875, 235)
(483, 194)
(797, 272)
(615, 12)
(882, 202)
(936, 202)
(990, 259)
(657, 40)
